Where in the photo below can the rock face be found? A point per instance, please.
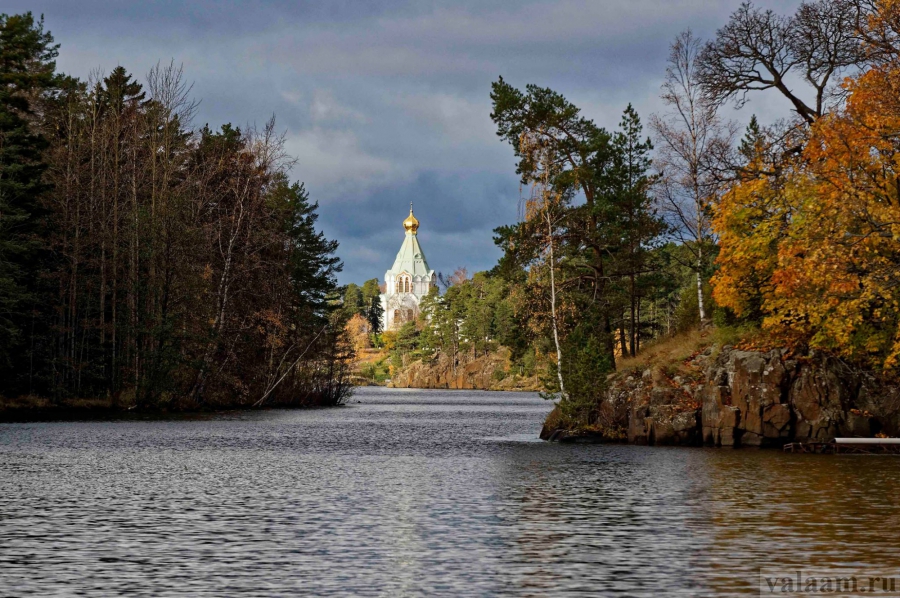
(769, 399)
(488, 372)
(749, 398)
(746, 399)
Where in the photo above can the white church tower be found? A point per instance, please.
(408, 280)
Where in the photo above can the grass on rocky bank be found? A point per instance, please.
(668, 356)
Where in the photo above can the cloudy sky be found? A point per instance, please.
(386, 102)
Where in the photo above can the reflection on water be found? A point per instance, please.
(406, 493)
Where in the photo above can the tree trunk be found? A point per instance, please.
(610, 340)
(700, 287)
(559, 359)
(631, 330)
(637, 332)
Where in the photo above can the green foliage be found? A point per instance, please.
(475, 316)
(687, 314)
(376, 372)
(406, 344)
(752, 142)
(529, 362)
(724, 317)
(585, 363)
(732, 334)
(311, 261)
(352, 300)
(608, 265)
(369, 302)
(370, 290)
(407, 338)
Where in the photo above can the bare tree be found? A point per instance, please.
(459, 276)
(759, 50)
(690, 138)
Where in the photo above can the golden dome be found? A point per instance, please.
(411, 224)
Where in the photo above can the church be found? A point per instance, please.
(408, 280)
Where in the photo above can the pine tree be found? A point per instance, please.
(751, 141)
(370, 304)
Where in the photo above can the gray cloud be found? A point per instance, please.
(387, 102)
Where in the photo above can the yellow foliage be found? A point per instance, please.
(359, 331)
(816, 250)
(389, 339)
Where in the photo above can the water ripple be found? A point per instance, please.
(417, 493)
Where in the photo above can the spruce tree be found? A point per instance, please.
(374, 315)
(313, 266)
(629, 187)
(27, 73)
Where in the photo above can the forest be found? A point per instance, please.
(150, 262)
(146, 262)
(780, 234)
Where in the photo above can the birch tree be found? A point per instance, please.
(544, 204)
(690, 138)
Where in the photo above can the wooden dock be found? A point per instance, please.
(849, 446)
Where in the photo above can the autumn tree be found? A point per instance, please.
(819, 238)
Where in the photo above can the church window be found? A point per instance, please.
(404, 285)
(396, 315)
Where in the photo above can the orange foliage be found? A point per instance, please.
(359, 330)
(816, 250)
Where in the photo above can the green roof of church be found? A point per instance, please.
(410, 258)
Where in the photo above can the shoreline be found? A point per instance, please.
(107, 411)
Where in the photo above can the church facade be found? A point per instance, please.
(408, 280)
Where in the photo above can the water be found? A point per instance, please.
(409, 493)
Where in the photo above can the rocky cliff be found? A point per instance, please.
(729, 397)
(488, 372)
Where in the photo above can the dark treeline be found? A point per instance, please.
(147, 261)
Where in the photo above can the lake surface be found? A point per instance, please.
(410, 493)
